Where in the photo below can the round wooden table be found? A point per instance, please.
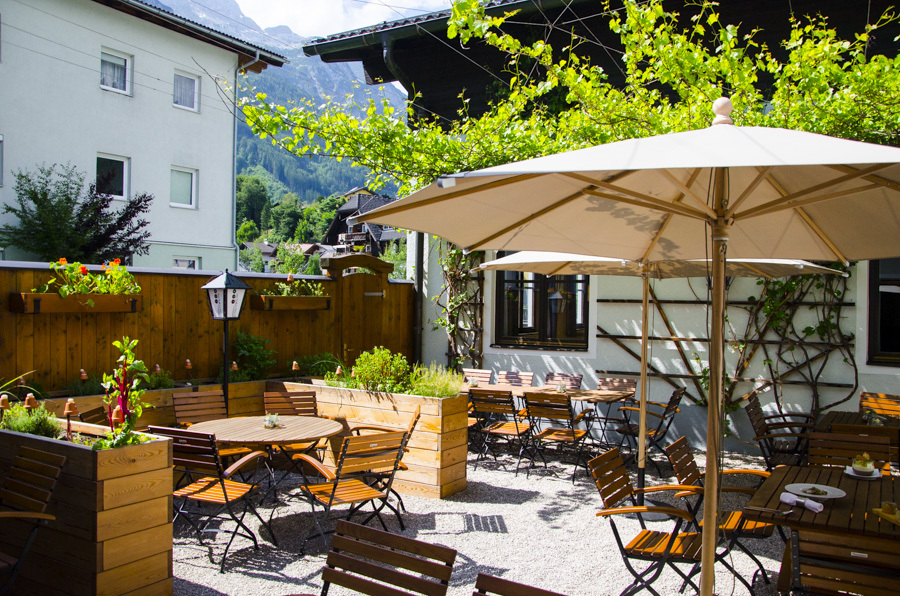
(249, 430)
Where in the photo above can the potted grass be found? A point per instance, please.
(76, 289)
(292, 295)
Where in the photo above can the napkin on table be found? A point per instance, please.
(791, 499)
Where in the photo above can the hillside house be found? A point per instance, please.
(128, 89)
(345, 235)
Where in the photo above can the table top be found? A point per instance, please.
(248, 430)
(852, 418)
(586, 395)
(849, 514)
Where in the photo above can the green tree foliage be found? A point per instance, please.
(314, 223)
(57, 218)
(265, 220)
(396, 253)
(251, 259)
(285, 216)
(247, 232)
(251, 198)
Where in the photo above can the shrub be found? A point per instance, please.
(378, 370)
(37, 422)
(158, 380)
(93, 385)
(318, 365)
(253, 357)
(436, 381)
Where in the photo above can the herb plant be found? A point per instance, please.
(39, 421)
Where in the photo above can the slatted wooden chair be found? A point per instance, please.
(364, 474)
(24, 496)
(569, 380)
(824, 563)
(664, 414)
(292, 403)
(515, 378)
(783, 439)
(556, 409)
(501, 422)
(880, 403)
(659, 549)
(206, 493)
(733, 526)
(838, 450)
(489, 584)
(98, 415)
(606, 418)
(482, 375)
(369, 561)
(200, 406)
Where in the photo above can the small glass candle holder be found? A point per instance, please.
(561, 388)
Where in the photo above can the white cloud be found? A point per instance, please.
(320, 18)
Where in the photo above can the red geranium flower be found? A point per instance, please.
(83, 270)
(63, 261)
(117, 262)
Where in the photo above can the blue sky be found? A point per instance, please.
(319, 18)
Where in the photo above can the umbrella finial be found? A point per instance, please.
(722, 109)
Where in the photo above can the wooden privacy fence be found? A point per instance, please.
(173, 322)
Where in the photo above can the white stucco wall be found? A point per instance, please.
(54, 111)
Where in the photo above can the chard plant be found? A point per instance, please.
(123, 397)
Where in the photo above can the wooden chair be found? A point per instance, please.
(660, 549)
(501, 421)
(98, 415)
(556, 408)
(207, 487)
(824, 563)
(364, 474)
(569, 380)
(369, 561)
(292, 403)
(200, 406)
(732, 526)
(613, 384)
(24, 496)
(482, 375)
(489, 584)
(782, 438)
(838, 450)
(664, 414)
(880, 403)
(515, 378)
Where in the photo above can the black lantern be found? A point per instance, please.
(226, 297)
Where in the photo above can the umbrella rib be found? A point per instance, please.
(876, 179)
(760, 177)
(818, 231)
(688, 192)
(666, 219)
(637, 199)
(757, 270)
(793, 199)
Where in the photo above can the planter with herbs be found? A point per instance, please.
(302, 295)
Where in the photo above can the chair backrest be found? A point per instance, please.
(613, 384)
(482, 375)
(371, 561)
(29, 484)
(833, 449)
(682, 459)
(668, 415)
(880, 403)
(379, 452)
(515, 378)
(291, 403)
(192, 451)
(98, 415)
(570, 380)
(843, 564)
(756, 415)
(491, 401)
(490, 584)
(412, 421)
(199, 406)
(611, 478)
(549, 406)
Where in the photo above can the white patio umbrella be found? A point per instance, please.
(554, 263)
(762, 192)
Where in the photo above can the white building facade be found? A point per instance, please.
(129, 94)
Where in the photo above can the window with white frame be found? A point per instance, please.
(183, 187)
(187, 91)
(115, 71)
(186, 263)
(112, 175)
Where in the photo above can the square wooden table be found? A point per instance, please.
(852, 423)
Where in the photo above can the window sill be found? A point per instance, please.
(114, 90)
(543, 348)
(186, 109)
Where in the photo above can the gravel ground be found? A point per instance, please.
(538, 529)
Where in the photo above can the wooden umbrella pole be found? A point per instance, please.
(642, 423)
(720, 232)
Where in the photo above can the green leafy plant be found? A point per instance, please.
(158, 380)
(38, 421)
(377, 370)
(436, 381)
(93, 385)
(318, 365)
(123, 391)
(74, 278)
(253, 357)
(300, 288)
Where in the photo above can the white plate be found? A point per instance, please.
(830, 491)
(849, 471)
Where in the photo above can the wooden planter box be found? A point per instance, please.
(437, 449)
(113, 527)
(33, 303)
(289, 302)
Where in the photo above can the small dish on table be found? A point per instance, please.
(816, 492)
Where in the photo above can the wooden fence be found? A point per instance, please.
(365, 310)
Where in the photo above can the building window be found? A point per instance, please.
(192, 263)
(187, 91)
(183, 187)
(115, 71)
(884, 312)
(112, 175)
(542, 312)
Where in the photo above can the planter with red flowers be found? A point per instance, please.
(76, 289)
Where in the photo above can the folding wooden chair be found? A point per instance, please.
(364, 474)
(98, 415)
(613, 384)
(664, 414)
(369, 561)
(482, 375)
(556, 408)
(501, 421)
(489, 584)
(206, 492)
(24, 496)
(569, 380)
(292, 403)
(782, 438)
(838, 450)
(200, 406)
(883, 404)
(515, 378)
